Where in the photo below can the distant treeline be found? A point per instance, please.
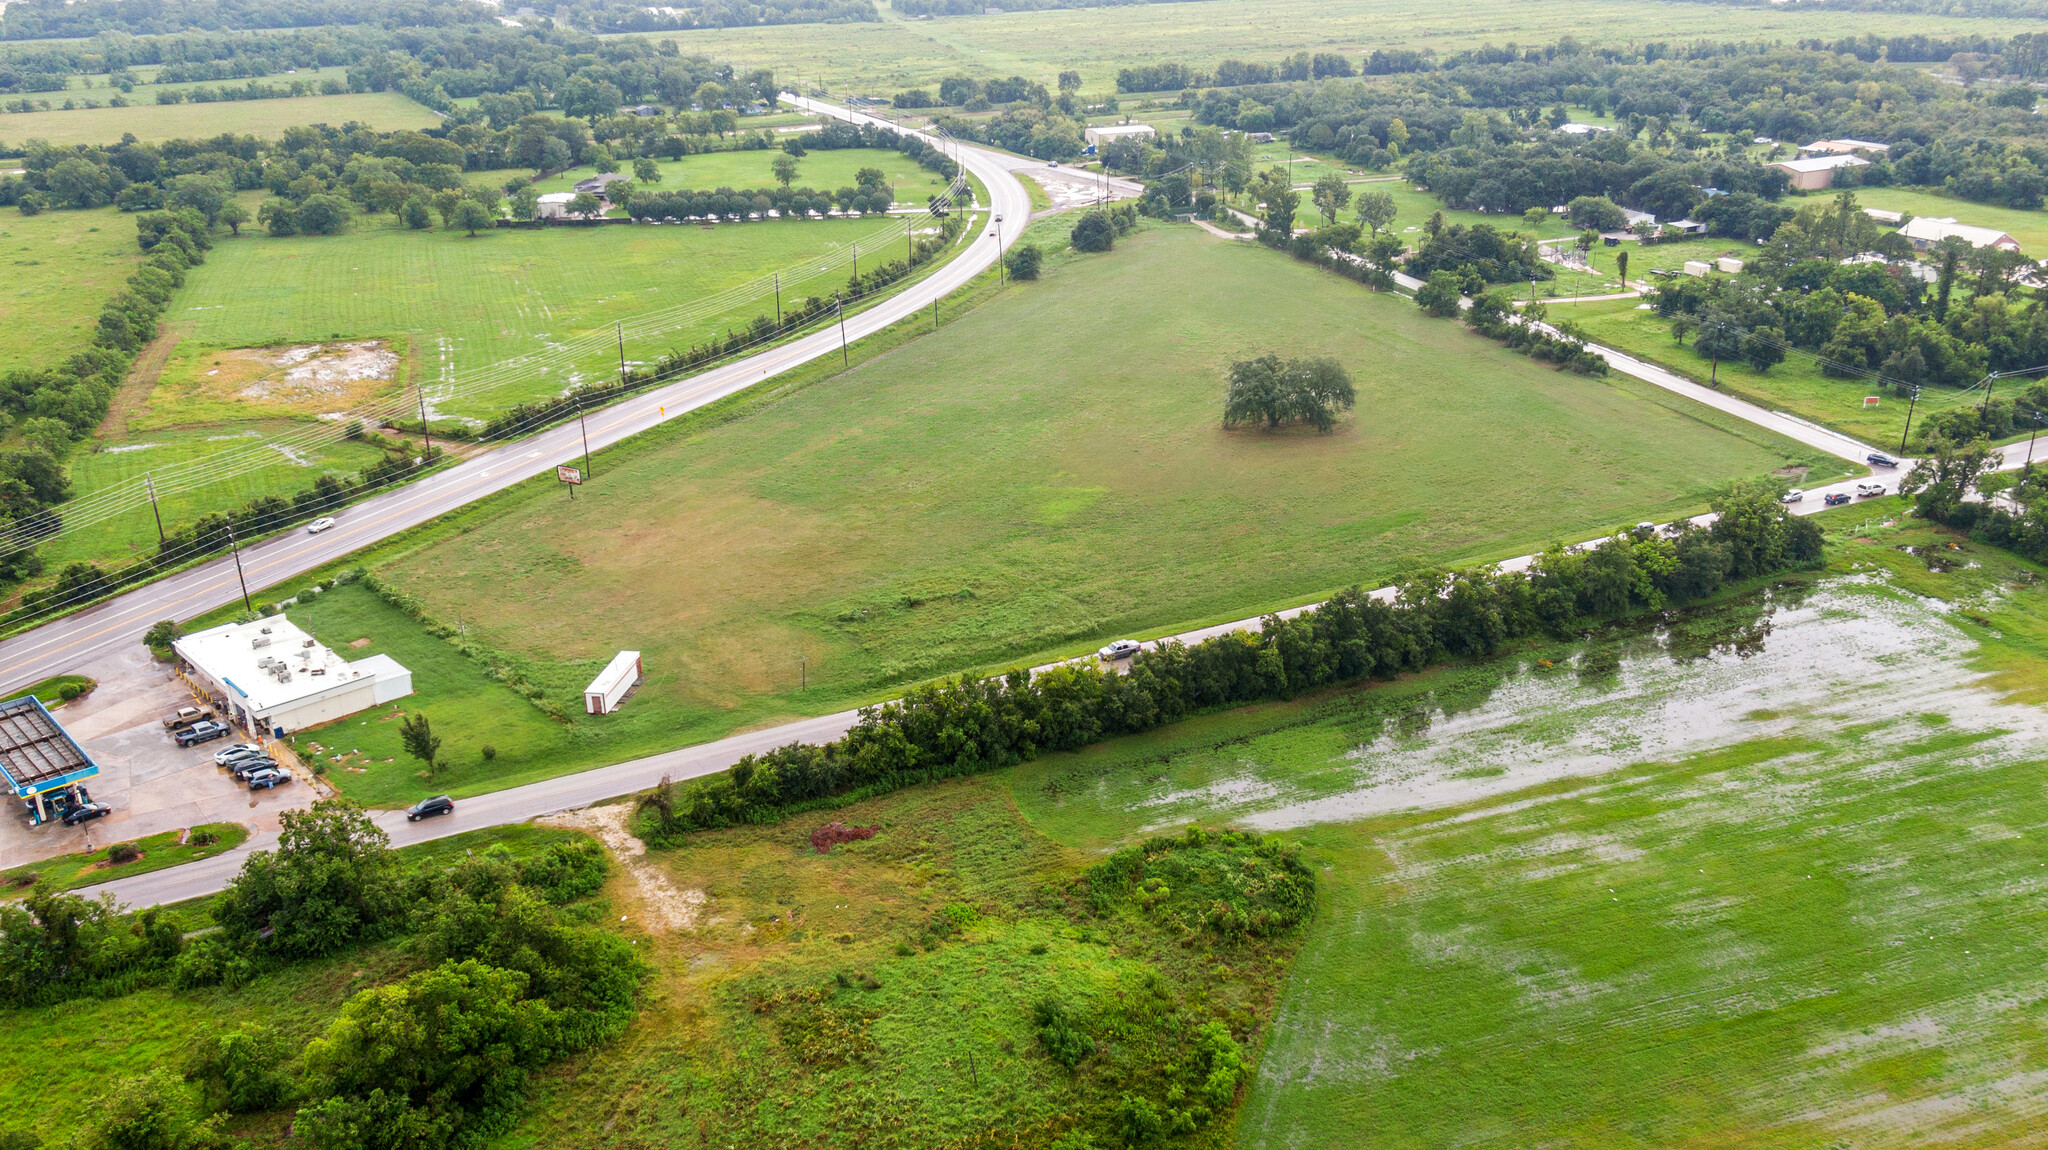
(59, 19)
(916, 8)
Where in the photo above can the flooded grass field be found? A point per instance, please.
(1769, 873)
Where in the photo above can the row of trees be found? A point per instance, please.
(972, 725)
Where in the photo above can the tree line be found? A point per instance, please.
(974, 724)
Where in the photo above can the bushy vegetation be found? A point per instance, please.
(972, 725)
(1270, 391)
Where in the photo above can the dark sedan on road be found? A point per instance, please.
(438, 805)
(86, 813)
(1837, 498)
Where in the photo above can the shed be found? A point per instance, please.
(38, 756)
(1110, 133)
(1728, 264)
(1697, 267)
(609, 689)
(553, 205)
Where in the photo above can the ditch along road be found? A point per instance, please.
(62, 644)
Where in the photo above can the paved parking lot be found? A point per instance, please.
(152, 784)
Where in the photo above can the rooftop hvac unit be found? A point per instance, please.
(307, 643)
(260, 641)
(317, 671)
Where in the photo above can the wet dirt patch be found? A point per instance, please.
(664, 906)
(300, 379)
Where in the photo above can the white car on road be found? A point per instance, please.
(319, 525)
(1121, 649)
(1864, 490)
(1792, 496)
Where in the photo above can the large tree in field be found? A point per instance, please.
(1331, 195)
(1376, 210)
(785, 168)
(1270, 391)
(417, 733)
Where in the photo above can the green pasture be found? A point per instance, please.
(471, 303)
(823, 170)
(257, 445)
(981, 498)
(885, 57)
(2029, 228)
(384, 111)
(68, 872)
(60, 268)
(1796, 385)
(1757, 874)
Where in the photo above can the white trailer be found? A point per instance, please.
(608, 690)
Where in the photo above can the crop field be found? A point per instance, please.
(1796, 385)
(471, 303)
(825, 170)
(60, 269)
(384, 111)
(1765, 873)
(984, 498)
(895, 53)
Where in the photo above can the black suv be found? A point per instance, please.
(438, 805)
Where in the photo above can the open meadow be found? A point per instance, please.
(60, 269)
(149, 122)
(895, 53)
(1763, 873)
(473, 303)
(1048, 474)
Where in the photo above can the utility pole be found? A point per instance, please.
(856, 265)
(839, 306)
(778, 301)
(1911, 403)
(620, 327)
(421, 389)
(585, 429)
(237, 552)
(2028, 467)
(1002, 273)
(935, 313)
(150, 483)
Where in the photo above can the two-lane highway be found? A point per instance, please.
(66, 643)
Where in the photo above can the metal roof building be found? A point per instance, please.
(37, 755)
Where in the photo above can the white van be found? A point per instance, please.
(1866, 490)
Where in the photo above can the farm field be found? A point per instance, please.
(384, 111)
(60, 269)
(969, 500)
(824, 170)
(896, 53)
(472, 303)
(1763, 873)
(1796, 385)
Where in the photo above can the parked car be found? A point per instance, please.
(438, 805)
(229, 755)
(1865, 490)
(1792, 496)
(269, 777)
(1121, 649)
(204, 731)
(185, 717)
(243, 768)
(1880, 459)
(1836, 498)
(319, 525)
(86, 813)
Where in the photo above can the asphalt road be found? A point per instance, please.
(62, 644)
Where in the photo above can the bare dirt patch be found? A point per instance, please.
(665, 906)
(301, 379)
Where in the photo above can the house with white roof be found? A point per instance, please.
(271, 678)
(1845, 147)
(1926, 231)
(1816, 172)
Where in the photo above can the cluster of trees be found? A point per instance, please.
(870, 195)
(1493, 314)
(1950, 470)
(972, 725)
(1872, 319)
(1496, 257)
(54, 19)
(1269, 391)
(1173, 77)
(438, 1059)
(1097, 230)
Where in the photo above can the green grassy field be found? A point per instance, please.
(61, 267)
(1760, 874)
(1795, 386)
(471, 303)
(2029, 228)
(384, 111)
(1046, 474)
(895, 53)
(824, 170)
(67, 872)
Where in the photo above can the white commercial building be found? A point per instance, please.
(1845, 147)
(1110, 133)
(1811, 175)
(608, 690)
(1926, 231)
(274, 679)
